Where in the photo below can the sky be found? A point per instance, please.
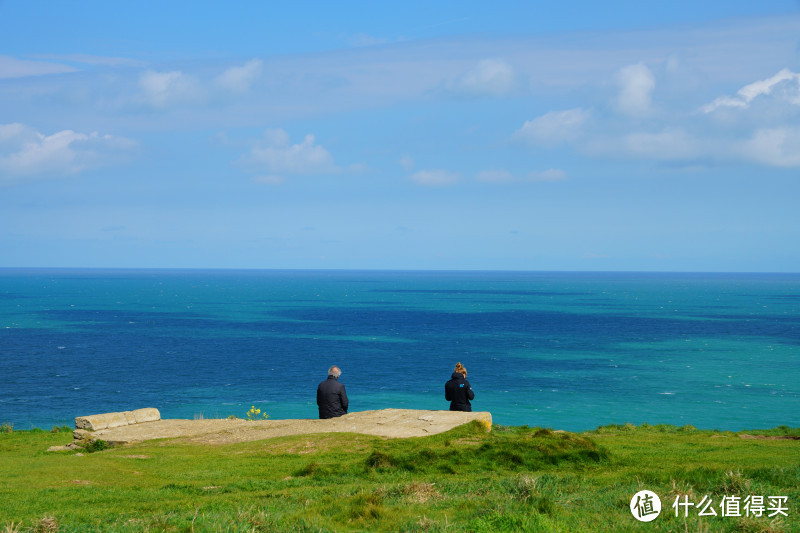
(589, 136)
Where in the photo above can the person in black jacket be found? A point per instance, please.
(331, 396)
(458, 390)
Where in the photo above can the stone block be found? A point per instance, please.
(148, 414)
(92, 423)
(81, 434)
(115, 420)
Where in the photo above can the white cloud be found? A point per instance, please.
(775, 147)
(240, 79)
(26, 152)
(490, 76)
(636, 87)
(555, 127)
(161, 89)
(768, 137)
(779, 147)
(15, 68)
(435, 178)
(750, 92)
(670, 144)
(9, 132)
(772, 140)
(275, 154)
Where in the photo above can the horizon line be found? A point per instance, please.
(420, 270)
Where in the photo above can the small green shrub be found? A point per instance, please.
(314, 469)
(307, 470)
(380, 461)
(364, 507)
(96, 446)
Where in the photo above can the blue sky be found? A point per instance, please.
(451, 135)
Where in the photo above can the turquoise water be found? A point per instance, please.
(561, 350)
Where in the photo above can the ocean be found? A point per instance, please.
(564, 350)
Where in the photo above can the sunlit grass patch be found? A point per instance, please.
(511, 479)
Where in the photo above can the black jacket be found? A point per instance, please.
(458, 392)
(331, 398)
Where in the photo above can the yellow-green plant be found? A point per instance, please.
(256, 414)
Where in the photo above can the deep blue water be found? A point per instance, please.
(561, 350)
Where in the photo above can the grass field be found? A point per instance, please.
(511, 479)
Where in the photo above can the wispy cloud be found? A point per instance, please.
(94, 60)
(779, 147)
(544, 69)
(495, 77)
(435, 178)
(668, 144)
(636, 87)
(407, 162)
(25, 152)
(240, 79)
(17, 68)
(750, 92)
(277, 156)
(555, 127)
(768, 137)
(161, 89)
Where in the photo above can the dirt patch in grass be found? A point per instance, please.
(769, 437)
(418, 492)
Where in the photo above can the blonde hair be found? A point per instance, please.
(461, 370)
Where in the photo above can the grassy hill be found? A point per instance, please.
(511, 479)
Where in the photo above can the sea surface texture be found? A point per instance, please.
(561, 350)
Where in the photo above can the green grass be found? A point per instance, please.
(512, 479)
